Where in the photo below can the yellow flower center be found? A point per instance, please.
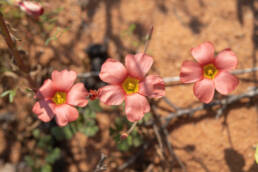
(210, 71)
(130, 85)
(59, 98)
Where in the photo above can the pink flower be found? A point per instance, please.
(31, 8)
(58, 96)
(210, 73)
(130, 84)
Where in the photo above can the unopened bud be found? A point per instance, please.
(94, 94)
(123, 136)
(31, 8)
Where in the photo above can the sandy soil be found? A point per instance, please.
(202, 142)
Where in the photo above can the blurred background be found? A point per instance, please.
(80, 35)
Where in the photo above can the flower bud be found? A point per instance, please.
(94, 94)
(31, 8)
(123, 136)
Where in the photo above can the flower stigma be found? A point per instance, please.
(130, 85)
(210, 71)
(59, 98)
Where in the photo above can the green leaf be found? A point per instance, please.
(90, 131)
(137, 141)
(29, 90)
(129, 140)
(145, 118)
(36, 133)
(29, 160)
(132, 27)
(88, 113)
(57, 35)
(44, 141)
(67, 132)
(256, 154)
(11, 94)
(53, 156)
(95, 106)
(58, 133)
(46, 168)
(117, 138)
(5, 93)
(123, 145)
(119, 122)
(50, 39)
(135, 44)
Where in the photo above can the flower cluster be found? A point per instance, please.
(58, 95)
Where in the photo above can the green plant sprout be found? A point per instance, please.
(57, 35)
(10, 93)
(45, 143)
(134, 139)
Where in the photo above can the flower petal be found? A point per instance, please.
(152, 86)
(44, 110)
(47, 90)
(136, 106)
(77, 95)
(63, 80)
(112, 95)
(190, 72)
(138, 65)
(65, 113)
(226, 60)
(113, 72)
(225, 82)
(204, 53)
(204, 90)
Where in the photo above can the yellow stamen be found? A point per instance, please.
(59, 98)
(130, 85)
(210, 71)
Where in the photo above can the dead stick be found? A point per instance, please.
(148, 38)
(226, 101)
(25, 69)
(11, 45)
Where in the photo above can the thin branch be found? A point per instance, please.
(148, 38)
(25, 69)
(243, 71)
(88, 74)
(7, 116)
(171, 151)
(174, 78)
(171, 79)
(101, 166)
(11, 45)
(224, 102)
(134, 157)
(164, 133)
(235, 72)
(158, 136)
(170, 103)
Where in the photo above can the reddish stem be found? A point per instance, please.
(25, 69)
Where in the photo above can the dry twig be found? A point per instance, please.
(224, 102)
(101, 166)
(235, 72)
